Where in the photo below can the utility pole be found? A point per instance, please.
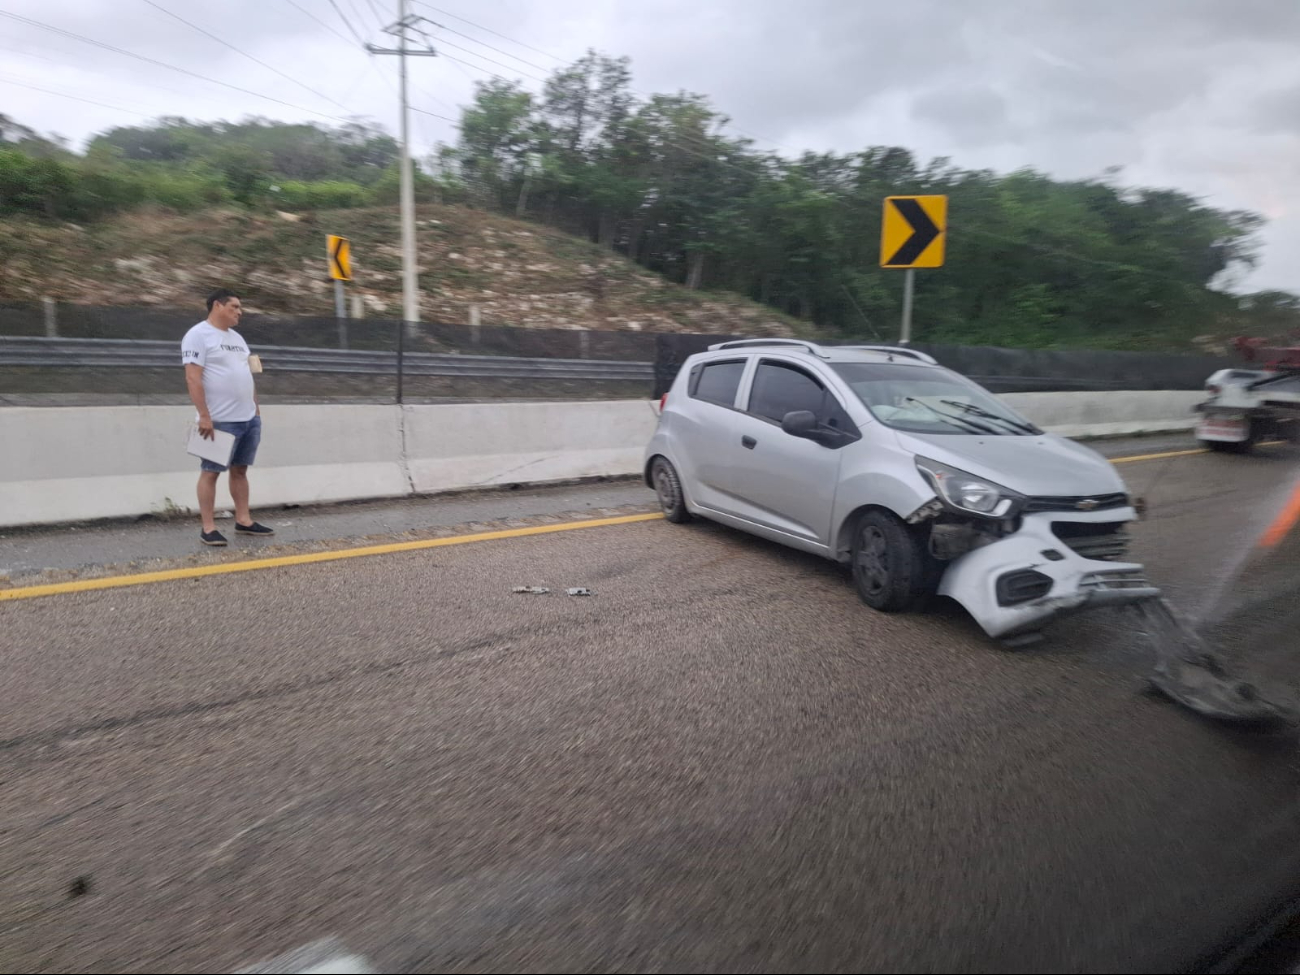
(410, 273)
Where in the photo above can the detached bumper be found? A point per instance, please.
(1024, 581)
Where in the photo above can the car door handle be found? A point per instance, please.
(749, 443)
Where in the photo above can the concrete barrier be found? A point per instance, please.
(482, 445)
(1110, 414)
(61, 464)
(76, 464)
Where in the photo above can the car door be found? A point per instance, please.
(707, 443)
(782, 483)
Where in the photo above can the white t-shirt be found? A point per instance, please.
(227, 380)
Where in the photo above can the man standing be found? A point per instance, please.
(220, 383)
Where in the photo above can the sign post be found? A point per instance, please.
(339, 252)
(913, 233)
(909, 287)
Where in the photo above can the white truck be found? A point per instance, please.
(1249, 405)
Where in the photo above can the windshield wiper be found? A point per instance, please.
(990, 415)
(948, 416)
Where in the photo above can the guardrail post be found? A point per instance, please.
(358, 307)
(341, 314)
(584, 344)
(51, 318)
(475, 324)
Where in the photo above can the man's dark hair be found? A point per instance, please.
(220, 296)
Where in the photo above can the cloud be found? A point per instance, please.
(973, 116)
(1203, 95)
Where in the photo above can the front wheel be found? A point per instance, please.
(893, 569)
(668, 486)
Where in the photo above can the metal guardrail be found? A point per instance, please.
(129, 353)
(146, 354)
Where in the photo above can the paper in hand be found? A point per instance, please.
(217, 450)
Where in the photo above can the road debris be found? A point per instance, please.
(580, 591)
(531, 590)
(325, 956)
(1190, 674)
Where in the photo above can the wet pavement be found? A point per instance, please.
(719, 762)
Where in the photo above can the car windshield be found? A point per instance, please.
(929, 400)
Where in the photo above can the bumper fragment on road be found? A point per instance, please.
(253, 565)
(325, 957)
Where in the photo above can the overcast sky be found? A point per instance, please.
(1202, 95)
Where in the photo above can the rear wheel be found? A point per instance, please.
(668, 486)
(893, 569)
(1227, 446)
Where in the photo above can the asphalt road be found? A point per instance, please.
(720, 762)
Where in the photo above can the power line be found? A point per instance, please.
(434, 98)
(558, 59)
(488, 60)
(423, 111)
(457, 64)
(1057, 252)
(361, 78)
(646, 98)
(701, 145)
(30, 54)
(379, 18)
(358, 13)
(243, 53)
(162, 64)
(489, 30)
(329, 27)
(708, 157)
(470, 37)
(88, 101)
(339, 10)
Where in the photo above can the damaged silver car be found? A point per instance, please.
(919, 479)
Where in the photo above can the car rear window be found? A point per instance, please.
(719, 382)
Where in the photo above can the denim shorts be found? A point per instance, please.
(248, 435)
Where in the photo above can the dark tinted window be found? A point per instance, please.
(780, 389)
(718, 382)
(833, 416)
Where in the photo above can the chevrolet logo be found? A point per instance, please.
(1087, 504)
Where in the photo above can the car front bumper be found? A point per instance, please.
(1020, 583)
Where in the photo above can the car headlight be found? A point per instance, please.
(969, 493)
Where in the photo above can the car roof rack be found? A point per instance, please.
(812, 347)
(894, 350)
(819, 351)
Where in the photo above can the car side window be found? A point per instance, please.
(780, 389)
(835, 417)
(718, 382)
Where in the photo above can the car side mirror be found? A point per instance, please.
(801, 423)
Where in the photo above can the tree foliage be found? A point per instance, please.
(1032, 261)
(356, 152)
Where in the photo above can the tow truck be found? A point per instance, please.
(1249, 405)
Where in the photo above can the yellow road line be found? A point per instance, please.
(283, 561)
(1169, 453)
(1182, 453)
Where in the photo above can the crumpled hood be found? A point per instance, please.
(1041, 466)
